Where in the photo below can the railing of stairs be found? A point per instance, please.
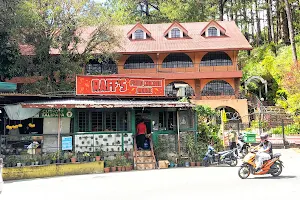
(135, 153)
(152, 151)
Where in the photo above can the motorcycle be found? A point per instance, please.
(273, 166)
(242, 146)
(225, 157)
(1, 180)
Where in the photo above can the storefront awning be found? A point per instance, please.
(79, 103)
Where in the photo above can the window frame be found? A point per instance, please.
(216, 58)
(218, 88)
(139, 61)
(212, 32)
(177, 60)
(174, 32)
(140, 33)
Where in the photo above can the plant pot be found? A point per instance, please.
(193, 164)
(119, 169)
(106, 169)
(98, 158)
(73, 160)
(113, 169)
(32, 163)
(123, 169)
(198, 163)
(68, 161)
(128, 168)
(19, 164)
(36, 162)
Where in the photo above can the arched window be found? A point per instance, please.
(105, 66)
(217, 88)
(175, 33)
(177, 60)
(139, 34)
(212, 31)
(139, 62)
(173, 88)
(216, 59)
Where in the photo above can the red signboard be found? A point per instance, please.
(119, 86)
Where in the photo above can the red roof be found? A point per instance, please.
(216, 24)
(136, 27)
(234, 39)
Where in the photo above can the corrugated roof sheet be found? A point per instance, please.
(79, 103)
(233, 39)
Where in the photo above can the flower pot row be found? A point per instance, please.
(119, 169)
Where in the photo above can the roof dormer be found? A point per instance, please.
(176, 30)
(213, 29)
(139, 32)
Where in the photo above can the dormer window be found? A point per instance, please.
(175, 33)
(212, 31)
(139, 35)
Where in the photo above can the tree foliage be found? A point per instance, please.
(54, 30)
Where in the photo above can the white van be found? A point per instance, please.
(1, 180)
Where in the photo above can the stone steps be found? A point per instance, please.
(144, 160)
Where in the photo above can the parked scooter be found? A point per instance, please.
(273, 166)
(216, 158)
(242, 146)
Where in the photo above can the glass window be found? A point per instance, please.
(216, 59)
(177, 60)
(217, 88)
(106, 66)
(139, 34)
(83, 119)
(97, 121)
(175, 33)
(167, 120)
(139, 62)
(212, 31)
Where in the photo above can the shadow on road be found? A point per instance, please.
(271, 177)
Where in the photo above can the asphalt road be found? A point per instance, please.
(181, 183)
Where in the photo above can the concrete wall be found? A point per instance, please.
(29, 172)
(240, 105)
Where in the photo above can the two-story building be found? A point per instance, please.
(197, 59)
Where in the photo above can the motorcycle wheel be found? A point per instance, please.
(278, 171)
(244, 172)
(233, 162)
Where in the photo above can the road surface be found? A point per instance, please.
(180, 183)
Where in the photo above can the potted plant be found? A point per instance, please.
(119, 163)
(128, 166)
(113, 165)
(53, 158)
(73, 158)
(86, 156)
(98, 156)
(107, 166)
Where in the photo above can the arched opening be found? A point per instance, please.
(216, 59)
(217, 88)
(179, 88)
(175, 33)
(212, 31)
(177, 60)
(232, 115)
(141, 61)
(103, 66)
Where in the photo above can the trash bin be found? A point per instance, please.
(250, 137)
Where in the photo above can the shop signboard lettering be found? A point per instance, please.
(66, 143)
(120, 86)
(53, 113)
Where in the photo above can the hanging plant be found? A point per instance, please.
(110, 135)
(100, 136)
(82, 142)
(105, 140)
(88, 142)
(92, 137)
(118, 135)
(79, 138)
(96, 138)
(125, 135)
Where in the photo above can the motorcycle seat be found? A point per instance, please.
(276, 155)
